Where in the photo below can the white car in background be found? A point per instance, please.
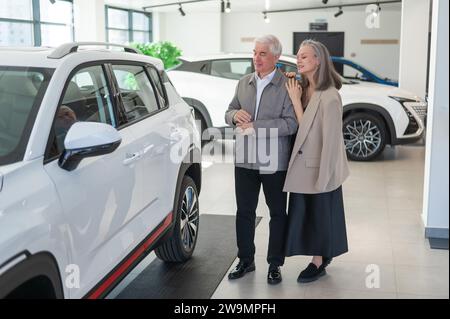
(88, 181)
(375, 115)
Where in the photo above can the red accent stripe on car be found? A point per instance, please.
(128, 262)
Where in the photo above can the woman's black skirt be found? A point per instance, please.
(316, 225)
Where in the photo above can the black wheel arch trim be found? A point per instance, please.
(201, 108)
(393, 140)
(33, 266)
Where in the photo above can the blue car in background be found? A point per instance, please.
(361, 73)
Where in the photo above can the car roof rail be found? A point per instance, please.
(68, 48)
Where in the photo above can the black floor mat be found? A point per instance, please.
(199, 277)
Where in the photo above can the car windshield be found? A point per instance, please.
(21, 92)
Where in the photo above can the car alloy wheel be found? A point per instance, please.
(181, 244)
(189, 218)
(364, 136)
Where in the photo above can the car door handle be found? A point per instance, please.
(148, 149)
(131, 158)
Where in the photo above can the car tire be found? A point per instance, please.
(180, 246)
(364, 136)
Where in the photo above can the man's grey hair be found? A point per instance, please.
(273, 43)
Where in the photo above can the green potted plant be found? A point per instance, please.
(163, 50)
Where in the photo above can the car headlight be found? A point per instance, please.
(416, 110)
(403, 100)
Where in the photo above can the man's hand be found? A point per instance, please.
(246, 129)
(245, 126)
(242, 117)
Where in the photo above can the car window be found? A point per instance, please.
(352, 73)
(231, 69)
(21, 93)
(284, 67)
(136, 90)
(154, 75)
(86, 99)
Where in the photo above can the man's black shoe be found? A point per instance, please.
(274, 275)
(312, 273)
(241, 269)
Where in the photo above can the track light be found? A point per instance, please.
(324, 1)
(222, 6)
(340, 12)
(228, 8)
(376, 12)
(266, 18)
(181, 11)
(52, 1)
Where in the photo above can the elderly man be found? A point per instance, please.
(262, 111)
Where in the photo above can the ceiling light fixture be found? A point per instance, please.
(228, 9)
(266, 18)
(222, 6)
(340, 7)
(340, 12)
(181, 10)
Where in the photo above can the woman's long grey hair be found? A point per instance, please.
(326, 74)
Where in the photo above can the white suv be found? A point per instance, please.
(99, 164)
(374, 114)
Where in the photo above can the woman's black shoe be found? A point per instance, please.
(312, 273)
(326, 261)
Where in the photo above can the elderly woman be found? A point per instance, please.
(318, 165)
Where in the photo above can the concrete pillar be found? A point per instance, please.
(435, 203)
(89, 17)
(414, 46)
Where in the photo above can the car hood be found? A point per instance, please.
(386, 90)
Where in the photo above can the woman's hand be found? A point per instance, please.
(290, 75)
(295, 90)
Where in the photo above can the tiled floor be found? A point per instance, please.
(388, 255)
(383, 202)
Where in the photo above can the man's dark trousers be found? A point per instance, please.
(247, 186)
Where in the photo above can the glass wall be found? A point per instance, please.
(36, 22)
(127, 26)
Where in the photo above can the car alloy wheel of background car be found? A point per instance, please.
(364, 136)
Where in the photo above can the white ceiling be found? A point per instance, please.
(236, 5)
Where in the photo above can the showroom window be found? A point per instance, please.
(127, 26)
(36, 22)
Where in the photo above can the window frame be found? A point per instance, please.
(130, 29)
(126, 123)
(36, 22)
(163, 87)
(51, 136)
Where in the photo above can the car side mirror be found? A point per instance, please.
(87, 139)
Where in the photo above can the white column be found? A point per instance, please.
(89, 16)
(435, 203)
(156, 26)
(414, 46)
